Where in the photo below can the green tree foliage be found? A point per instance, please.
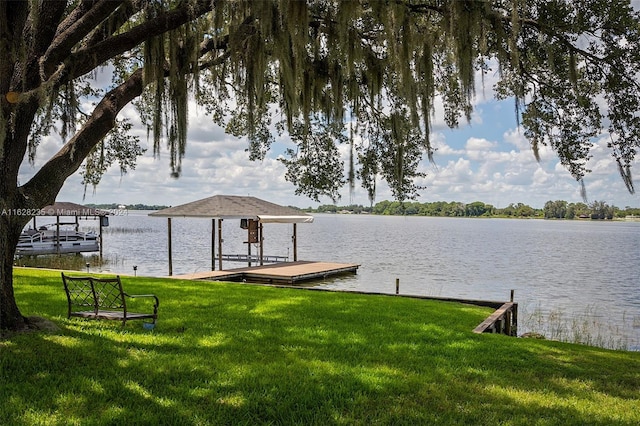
(517, 210)
(315, 167)
(597, 210)
(558, 209)
(601, 210)
(629, 211)
(447, 209)
(379, 66)
(555, 209)
(577, 211)
(475, 209)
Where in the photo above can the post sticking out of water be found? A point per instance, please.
(397, 285)
(512, 292)
(294, 237)
(169, 246)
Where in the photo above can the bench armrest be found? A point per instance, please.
(133, 296)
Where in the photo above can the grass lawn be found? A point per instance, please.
(242, 354)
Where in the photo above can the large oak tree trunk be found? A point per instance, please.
(10, 228)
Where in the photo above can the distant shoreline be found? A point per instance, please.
(585, 219)
(559, 209)
(116, 206)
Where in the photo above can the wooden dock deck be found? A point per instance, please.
(278, 273)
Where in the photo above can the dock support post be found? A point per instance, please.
(514, 317)
(169, 246)
(249, 246)
(397, 285)
(295, 242)
(213, 244)
(220, 244)
(99, 237)
(261, 239)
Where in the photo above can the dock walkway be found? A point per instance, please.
(279, 273)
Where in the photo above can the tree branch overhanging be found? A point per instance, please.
(71, 31)
(46, 183)
(87, 58)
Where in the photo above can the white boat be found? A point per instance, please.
(50, 240)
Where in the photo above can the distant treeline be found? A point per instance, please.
(114, 206)
(552, 210)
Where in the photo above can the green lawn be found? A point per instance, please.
(242, 354)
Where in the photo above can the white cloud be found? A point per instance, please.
(442, 149)
(479, 144)
(516, 138)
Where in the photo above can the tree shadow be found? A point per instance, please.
(265, 356)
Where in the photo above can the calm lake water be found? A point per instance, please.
(570, 278)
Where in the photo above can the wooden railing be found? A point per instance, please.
(503, 321)
(252, 258)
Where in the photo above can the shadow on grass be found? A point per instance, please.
(234, 354)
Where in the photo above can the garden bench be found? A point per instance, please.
(103, 298)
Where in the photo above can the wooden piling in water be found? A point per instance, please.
(169, 246)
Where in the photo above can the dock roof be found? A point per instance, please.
(236, 207)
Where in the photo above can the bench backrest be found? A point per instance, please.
(109, 294)
(97, 293)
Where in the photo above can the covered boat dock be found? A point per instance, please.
(56, 238)
(252, 213)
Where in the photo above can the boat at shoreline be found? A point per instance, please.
(56, 240)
